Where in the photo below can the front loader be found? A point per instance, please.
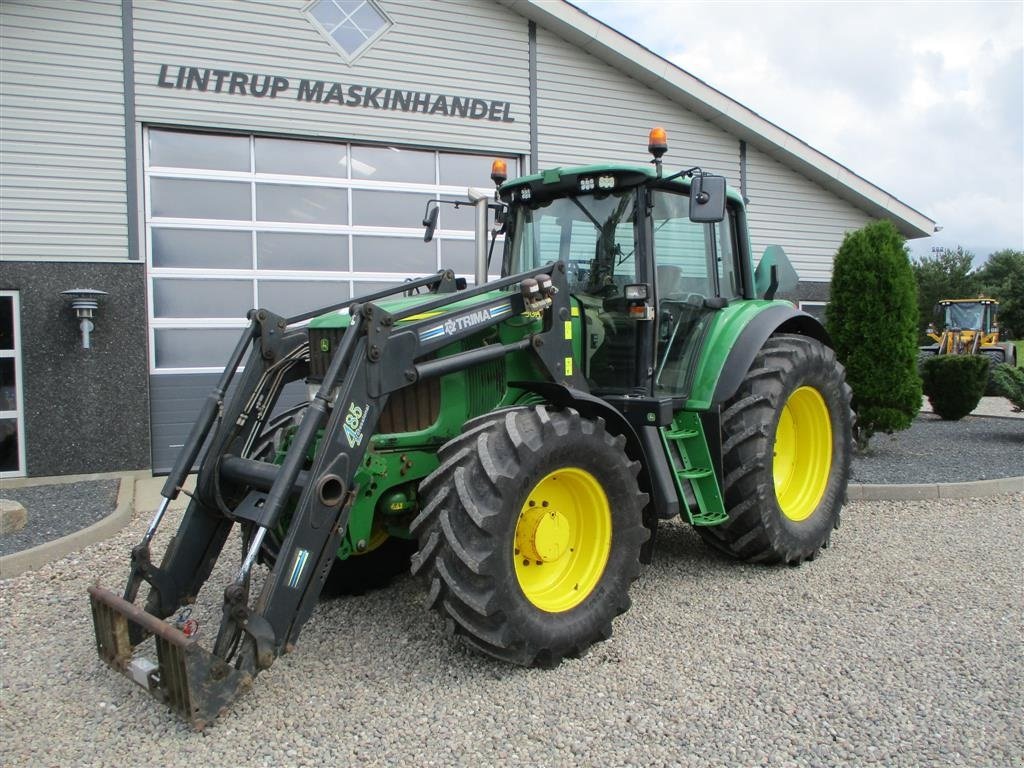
(968, 327)
(521, 438)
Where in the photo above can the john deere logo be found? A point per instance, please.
(325, 345)
(351, 26)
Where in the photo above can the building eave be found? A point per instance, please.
(629, 57)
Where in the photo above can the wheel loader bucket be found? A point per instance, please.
(187, 678)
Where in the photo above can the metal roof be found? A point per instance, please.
(631, 58)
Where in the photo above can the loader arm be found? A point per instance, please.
(379, 353)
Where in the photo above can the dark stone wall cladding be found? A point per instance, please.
(807, 291)
(86, 410)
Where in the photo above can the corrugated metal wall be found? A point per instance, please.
(450, 47)
(589, 112)
(789, 210)
(62, 186)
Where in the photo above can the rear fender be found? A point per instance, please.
(778, 318)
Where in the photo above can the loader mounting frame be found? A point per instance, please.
(379, 353)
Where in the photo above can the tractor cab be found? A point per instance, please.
(650, 259)
(969, 314)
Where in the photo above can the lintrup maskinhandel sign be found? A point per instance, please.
(322, 92)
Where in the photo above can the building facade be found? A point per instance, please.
(195, 158)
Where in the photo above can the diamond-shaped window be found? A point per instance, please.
(349, 25)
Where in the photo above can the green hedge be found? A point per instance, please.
(955, 383)
(1008, 382)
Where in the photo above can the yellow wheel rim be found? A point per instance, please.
(563, 539)
(803, 453)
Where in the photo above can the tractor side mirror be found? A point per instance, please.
(430, 221)
(707, 198)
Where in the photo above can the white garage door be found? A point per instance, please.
(235, 222)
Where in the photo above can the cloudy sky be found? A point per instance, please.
(923, 99)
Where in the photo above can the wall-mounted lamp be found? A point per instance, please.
(85, 301)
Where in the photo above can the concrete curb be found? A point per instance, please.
(37, 557)
(911, 492)
(30, 482)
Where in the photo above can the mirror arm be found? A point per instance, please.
(687, 172)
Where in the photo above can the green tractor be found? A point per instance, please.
(520, 439)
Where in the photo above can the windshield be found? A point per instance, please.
(967, 316)
(594, 236)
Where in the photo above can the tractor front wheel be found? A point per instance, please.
(786, 449)
(530, 534)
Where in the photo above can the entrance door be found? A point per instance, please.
(12, 423)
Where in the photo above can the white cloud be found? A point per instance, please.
(922, 99)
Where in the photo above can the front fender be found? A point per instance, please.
(643, 445)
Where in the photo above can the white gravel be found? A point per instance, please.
(901, 646)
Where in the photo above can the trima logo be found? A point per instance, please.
(455, 325)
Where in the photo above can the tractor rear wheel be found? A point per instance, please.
(786, 449)
(530, 534)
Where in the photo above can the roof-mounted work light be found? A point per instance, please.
(657, 145)
(499, 172)
(657, 142)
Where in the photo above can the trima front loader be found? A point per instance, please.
(523, 437)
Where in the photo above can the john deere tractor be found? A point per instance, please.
(968, 327)
(522, 437)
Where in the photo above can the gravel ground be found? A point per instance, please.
(57, 510)
(900, 646)
(937, 451)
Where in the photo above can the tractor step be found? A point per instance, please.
(190, 680)
(687, 451)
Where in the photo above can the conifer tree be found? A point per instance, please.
(872, 317)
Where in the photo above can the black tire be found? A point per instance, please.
(357, 574)
(758, 530)
(995, 357)
(473, 506)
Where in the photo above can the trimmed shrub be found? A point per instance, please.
(872, 318)
(955, 383)
(1008, 382)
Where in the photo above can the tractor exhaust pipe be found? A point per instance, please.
(480, 200)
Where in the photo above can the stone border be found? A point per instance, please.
(36, 557)
(969, 490)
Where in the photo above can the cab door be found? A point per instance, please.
(696, 274)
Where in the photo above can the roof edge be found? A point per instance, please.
(630, 57)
